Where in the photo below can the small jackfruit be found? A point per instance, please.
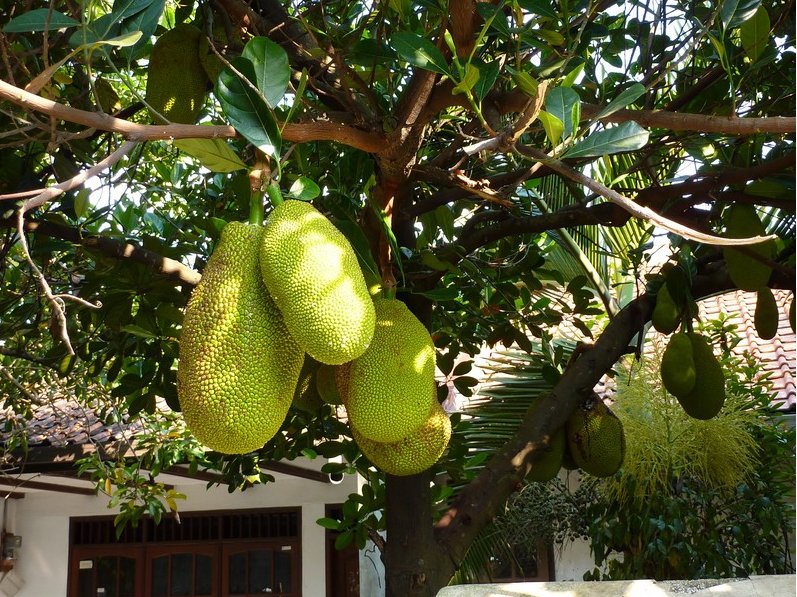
(414, 453)
(312, 272)
(325, 383)
(707, 397)
(595, 438)
(306, 397)
(678, 372)
(176, 80)
(666, 314)
(238, 365)
(766, 314)
(391, 386)
(744, 270)
(550, 462)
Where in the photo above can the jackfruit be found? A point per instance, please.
(391, 386)
(745, 271)
(306, 396)
(550, 462)
(325, 383)
(666, 314)
(176, 80)
(312, 272)
(567, 458)
(414, 453)
(678, 372)
(707, 397)
(595, 438)
(766, 314)
(238, 365)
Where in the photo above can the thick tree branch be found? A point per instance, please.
(297, 133)
(115, 248)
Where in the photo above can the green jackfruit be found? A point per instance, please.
(666, 315)
(238, 365)
(596, 439)
(745, 271)
(176, 80)
(306, 396)
(325, 383)
(549, 464)
(312, 272)
(707, 397)
(414, 453)
(766, 314)
(392, 386)
(678, 371)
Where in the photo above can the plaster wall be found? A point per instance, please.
(42, 520)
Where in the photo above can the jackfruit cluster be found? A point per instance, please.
(595, 438)
(238, 365)
(707, 395)
(551, 460)
(177, 82)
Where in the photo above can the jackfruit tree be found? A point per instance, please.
(506, 171)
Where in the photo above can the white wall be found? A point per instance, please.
(42, 520)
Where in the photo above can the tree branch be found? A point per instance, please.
(297, 133)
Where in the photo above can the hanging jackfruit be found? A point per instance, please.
(666, 314)
(707, 397)
(766, 314)
(238, 365)
(391, 386)
(414, 453)
(176, 80)
(325, 383)
(678, 372)
(550, 462)
(744, 270)
(312, 272)
(595, 438)
(306, 396)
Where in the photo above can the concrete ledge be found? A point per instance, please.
(755, 586)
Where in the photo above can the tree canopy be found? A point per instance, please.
(504, 166)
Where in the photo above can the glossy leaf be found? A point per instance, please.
(419, 51)
(626, 97)
(40, 19)
(565, 104)
(624, 137)
(271, 69)
(755, 33)
(214, 154)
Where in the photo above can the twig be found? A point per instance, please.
(634, 208)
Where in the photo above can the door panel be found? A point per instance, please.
(182, 571)
(260, 568)
(113, 571)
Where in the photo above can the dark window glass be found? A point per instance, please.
(127, 577)
(182, 574)
(106, 576)
(282, 571)
(237, 582)
(202, 575)
(160, 576)
(85, 582)
(260, 571)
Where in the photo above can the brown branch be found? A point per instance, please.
(117, 249)
(297, 133)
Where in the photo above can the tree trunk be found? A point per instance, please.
(412, 559)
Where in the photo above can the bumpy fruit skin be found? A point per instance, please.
(325, 383)
(666, 315)
(238, 365)
(745, 271)
(176, 80)
(311, 270)
(678, 373)
(708, 395)
(549, 464)
(412, 454)
(306, 397)
(391, 386)
(596, 439)
(766, 314)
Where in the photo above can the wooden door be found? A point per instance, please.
(258, 568)
(109, 571)
(182, 571)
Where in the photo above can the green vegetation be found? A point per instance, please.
(238, 365)
(595, 438)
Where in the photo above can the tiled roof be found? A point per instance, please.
(777, 356)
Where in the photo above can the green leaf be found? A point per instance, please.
(328, 523)
(543, 8)
(468, 81)
(626, 97)
(565, 104)
(553, 126)
(37, 20)
(441, 294)
(271, 68)
(138, 331)
(214, 154)
(488, 73)
(304, 189)
(82, 203)
(735, 12)
(625, 137)
(572, 76)
(123, 41)
(755, 33)
(526, 83)
(419, 51)
(246, 110)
